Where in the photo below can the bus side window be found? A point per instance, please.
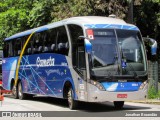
(78, 51)
(6, 50)
(28, 49)
(62, 42)
(16, 43)
(36, 43)
(17, 47)
(11, 49)
(52, 35)
(45, 38)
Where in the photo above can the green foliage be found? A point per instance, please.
(12, 21)
(40, 14)
(13, 16)
(65, 9)
(152, 93)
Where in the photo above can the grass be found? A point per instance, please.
(152, 93)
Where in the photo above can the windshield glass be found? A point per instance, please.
(110, 46)
(104, 52)
(131, 49)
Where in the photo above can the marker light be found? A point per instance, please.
(143, 85)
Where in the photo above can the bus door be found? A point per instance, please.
(81, 70)
(78, 61)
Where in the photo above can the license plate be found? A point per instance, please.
(121, 95)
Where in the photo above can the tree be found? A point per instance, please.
(70, 8)
(65, 9)
(40, 13)
(13, 17)
(147, 18)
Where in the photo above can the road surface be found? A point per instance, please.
(54, 104)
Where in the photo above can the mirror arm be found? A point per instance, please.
(82, 38)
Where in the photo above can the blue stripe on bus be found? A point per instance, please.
(18, 35)
(115, 26)
(121, 86)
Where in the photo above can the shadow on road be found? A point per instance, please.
(84, 106)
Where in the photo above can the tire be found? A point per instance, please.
(14, 92)
(71, 102)
(118, 104)
(21, 95)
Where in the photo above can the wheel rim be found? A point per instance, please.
(14, 90)
(70, 98)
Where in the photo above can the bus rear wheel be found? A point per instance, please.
(14, 92)
(71, 102)
(118, 104)
(21, 95)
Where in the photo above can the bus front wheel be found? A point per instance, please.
(118, 104)
(71, 102)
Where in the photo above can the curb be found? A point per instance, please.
(147, 101)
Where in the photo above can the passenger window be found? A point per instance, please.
(62, 41)
(37, 47)
(51, 40)
(44, 42)
(6, 49)
(17, 47)
(45, 38)
(29, 47)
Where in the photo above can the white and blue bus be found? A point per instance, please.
(92, 59)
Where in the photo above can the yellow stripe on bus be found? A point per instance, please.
(20, 57)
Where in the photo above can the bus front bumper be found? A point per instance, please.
(103, 96)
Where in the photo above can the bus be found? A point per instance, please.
(87, 58)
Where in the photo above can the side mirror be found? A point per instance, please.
(87, 44)
(152, 43)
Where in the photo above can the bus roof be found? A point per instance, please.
(86, 21)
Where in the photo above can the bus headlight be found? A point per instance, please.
(97, 84)
(143, 85)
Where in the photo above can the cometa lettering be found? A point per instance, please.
(45, 62)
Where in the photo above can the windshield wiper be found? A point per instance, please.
(108, 65)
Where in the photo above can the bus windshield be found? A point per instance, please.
(110, 46)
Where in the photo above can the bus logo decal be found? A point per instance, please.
(45, 62)
(48, 72)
